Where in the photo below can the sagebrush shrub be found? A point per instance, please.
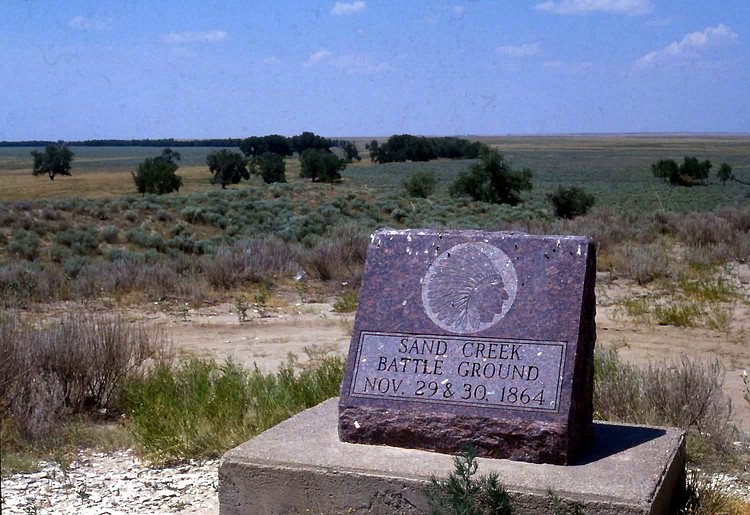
(644, 263)
(110, 233)
(71, 365)
(249, 261)
(24, 245)
(686, 394)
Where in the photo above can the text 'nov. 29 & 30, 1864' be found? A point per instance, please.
(459, 370)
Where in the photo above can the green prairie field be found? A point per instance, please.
(615, 169)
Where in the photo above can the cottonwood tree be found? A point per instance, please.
(308, 139)
(227, 167)
(259, 145)
(690, 172)
(350, 151)
(725, 173)
(321, 165)
(492, 180)
(158, 174)
(271, 167)
(55, 160)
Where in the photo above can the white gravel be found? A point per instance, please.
(114, 483)
(120, 483)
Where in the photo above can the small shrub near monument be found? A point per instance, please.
(686, 394)
(463, 494)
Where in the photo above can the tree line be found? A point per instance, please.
(406, 147)
(691, 172)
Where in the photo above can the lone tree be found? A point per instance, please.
(725, 173)
(691, 172)
(55, 160)
(271, 167)
(321, 165)
(570, 202)
(227, 167)
(350, 151)
(158, 174)
(492, 180)
(374, 149)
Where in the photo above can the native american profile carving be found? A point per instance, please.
(469, 288)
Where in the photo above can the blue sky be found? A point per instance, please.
(83, 69)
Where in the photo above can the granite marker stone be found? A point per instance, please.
(473, 337)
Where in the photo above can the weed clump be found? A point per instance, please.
(686, 394)
(347, 303)
(463, 494)
(201, 409)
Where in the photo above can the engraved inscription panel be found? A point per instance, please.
(459, 370)
(469, 287)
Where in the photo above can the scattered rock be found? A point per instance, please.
(115, 483)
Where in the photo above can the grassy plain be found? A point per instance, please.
(615, 169)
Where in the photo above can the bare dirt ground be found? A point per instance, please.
(293, 325)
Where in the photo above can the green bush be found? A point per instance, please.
(201, 409)
(420, 185)
(570, 202)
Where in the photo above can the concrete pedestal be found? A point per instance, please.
(300, 466)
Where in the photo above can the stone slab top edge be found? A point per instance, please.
(476, 233)
(631, 475)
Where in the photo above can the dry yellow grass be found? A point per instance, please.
(21, 185)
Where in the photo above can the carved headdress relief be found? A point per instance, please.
(469, 287)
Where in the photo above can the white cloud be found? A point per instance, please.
(317, 57)
(343, 8)
(195, 37)
(691, 46)
(351, 63)
(273, 60)
(524, 50)
(84, 23)
(628, 7)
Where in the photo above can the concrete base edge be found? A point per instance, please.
(300, 466)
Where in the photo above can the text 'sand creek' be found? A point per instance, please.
(482, 372)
